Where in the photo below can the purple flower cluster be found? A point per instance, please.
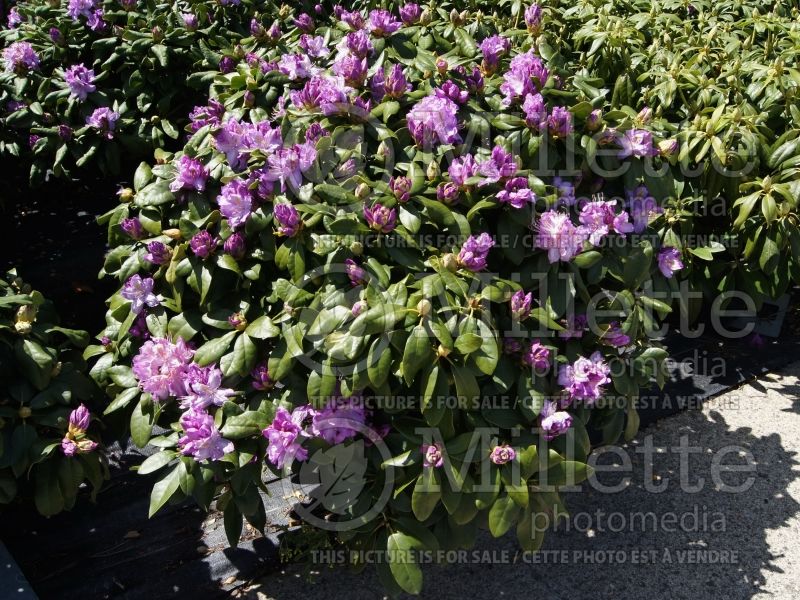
(669, 261)
(500, 165)
(191, 175)
(598, 219)
(556, 233)
(637, 143)
(203, 388)
(493, 48)
(20, 57)
(140, 293)
(104, 120)
(433, 120)
(432, 455)
(235, 202)
(80, 81)
(382, 23)
(643, 208)
(553, 422)
(160, 366)
(287, 219)
(381, 218)
(327, 94)
(75, 440)
(502, 454)
(521, 304)
(285, 435)
(474, 252)
(584, 379)
(527, 74)
(201, 438)
(537, 356)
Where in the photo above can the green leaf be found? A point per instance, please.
(212, 350)
(401, 554)
(502, 515)
(262, 328)
(468, 343)
(427, 493)
(247, 424)
(418, 352)
(142, 423)
(155, 462)
(165, 488)
(234, 523)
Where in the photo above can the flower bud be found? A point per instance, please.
(433, 171)
(125, 194)
(424, 307)
(359, 307)
(668, 148)
(24, 412)
(158, 34)
(441, 66)
(362, 191)
(238, 321)
(425, 17)
(450, 262)
(249, 99)
(357, 248)
(174, 234)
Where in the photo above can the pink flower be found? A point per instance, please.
(502, 454)
(160, 367)
(432, 455)
(203, 388)
(282, 435)
(433, 120)
(235, 202)
(201, 438)
(287, 165)
(381, 218)
(191, 174)
(340, 420)
(140, 292)
(556, 234)
(584, 379)
(599, 219)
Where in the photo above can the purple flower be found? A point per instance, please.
(553, 422)
(14, 18)
(583, 379)
(227, 64)
(356, 43)
(356, 274)
(80, 8)
(323, 93)
(517, 193)
(95, 20)
(526, 75)
(537, 356)
(305, 23)
(75, 440)
(340, 420)
(381, 218)
(288, 164)
(79, 419)
(295, 66)
(533, 17)
(448, 193)
(475, 81)
(260, 377)
(206, 115)
(502, 454)
(235, 245)
(202, 244)
(104, 120)
(433, 120)
(511, 345)
(352, 68)
(574, 327)
(157, 253)
(139, 327)
(669, 261)
(643, 207)
(461, 169)
(140, 292)
(594, 120)
(201, 438)
(314, 46)
(354, 19)
(358, 308)
(559, 123)
(565, 191)
(282, 436)
(287, 219)
(20, 57)
(203, 388)
(499, 165)
(314, 132)
(80, 81)
(535, 112)
(401, 188)
(556, 234)
(614, 336)
(382, 23)
(160, 367)
(56, 36)
(235, 202)
(637, 143)
(191, 175)
(32, 139)
(432, 455)
(493, 48)
(274, 32)
(132, 228)
(189, 21)
(452, 92)
(396, 85)
(599, 219)
(474, 252)
(409, 13)
(521, 304)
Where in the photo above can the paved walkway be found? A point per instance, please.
(703, 545)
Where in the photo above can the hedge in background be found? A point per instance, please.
(371, 226)
(46, 448)
(90, 83)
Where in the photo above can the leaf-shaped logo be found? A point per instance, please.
(339, 470)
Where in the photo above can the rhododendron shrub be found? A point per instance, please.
(48, 438)
(395, 270)
(92, 83)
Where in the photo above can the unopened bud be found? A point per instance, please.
(362, 191)
(125, 195)
(433, 171)
(424, 307)
(357, 248)
(24, 412)
(174, 234)
(450, 262)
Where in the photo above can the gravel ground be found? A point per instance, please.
(711, 543)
